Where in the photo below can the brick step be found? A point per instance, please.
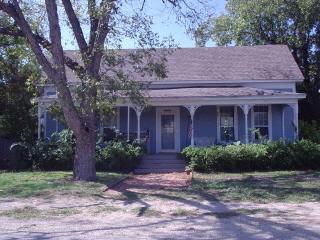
(156, 170)
(160, 157)
(161, 165)
(174, 161)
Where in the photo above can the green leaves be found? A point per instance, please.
(18, 75)
(299, 155)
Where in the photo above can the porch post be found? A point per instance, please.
(138, 110)
(192, 110)
(295, 108)
(246, 108)
(283, 129)
(138, 127)
(128, 124)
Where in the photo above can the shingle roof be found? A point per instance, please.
(215, 92)
(243, 63)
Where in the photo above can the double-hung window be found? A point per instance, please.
(227, 124)
(261, 122)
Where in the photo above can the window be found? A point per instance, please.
(261, 122)
(227, 124)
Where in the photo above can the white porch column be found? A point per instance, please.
(138, 110)
(295, 108)
(192, 109)
(246, 108)
(283, 126)
(128, 124)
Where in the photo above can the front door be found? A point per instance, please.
(168, 129)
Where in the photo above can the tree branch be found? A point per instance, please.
(106, 7)
(75, 24)
(70, 63)
(14, 11)
(94, 21)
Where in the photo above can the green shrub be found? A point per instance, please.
(118, 156)
(19, 157)
(310, 131)
(279, 156)
(305, 155)
(300, 155)
(55, 154)
(58, 154)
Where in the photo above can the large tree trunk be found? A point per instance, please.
(84, 161)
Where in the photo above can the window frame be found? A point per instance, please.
(269, 126)
(235, 123)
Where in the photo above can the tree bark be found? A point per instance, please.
(84, 161)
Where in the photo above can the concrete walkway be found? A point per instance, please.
(154, 181)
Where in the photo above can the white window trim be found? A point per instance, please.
(235, 123)
(176, 112)
(269, 121)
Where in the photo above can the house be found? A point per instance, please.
(211, 96)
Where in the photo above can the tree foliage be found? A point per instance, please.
(18, 73)
(295, 23)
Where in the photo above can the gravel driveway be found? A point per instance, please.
(155, 215)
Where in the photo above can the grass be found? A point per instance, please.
(146, 212)
(264, 187)
(106, 209)
(284, 186)
(46, 184)
(180, 212)
(28, 212)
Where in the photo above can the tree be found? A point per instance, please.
(18, 73)
(295, 23)
(97, 28)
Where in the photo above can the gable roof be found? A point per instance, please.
(230, 64)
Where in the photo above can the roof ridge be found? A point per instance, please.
(191, 48)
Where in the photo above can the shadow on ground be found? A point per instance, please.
(216, 220)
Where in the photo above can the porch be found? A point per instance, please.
(169, 129)
(176, 118)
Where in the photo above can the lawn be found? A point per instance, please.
(284, 186)
(261, 187)
(46, 184)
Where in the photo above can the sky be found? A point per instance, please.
(164, 25)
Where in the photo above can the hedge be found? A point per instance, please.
(118, 155)
(299, 155)
(57, 154)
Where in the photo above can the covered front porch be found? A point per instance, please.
(176, 118)
(173, 119)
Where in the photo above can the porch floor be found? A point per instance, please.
(160, 163)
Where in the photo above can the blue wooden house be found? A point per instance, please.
(210, 96)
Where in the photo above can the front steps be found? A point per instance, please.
(160, 163)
